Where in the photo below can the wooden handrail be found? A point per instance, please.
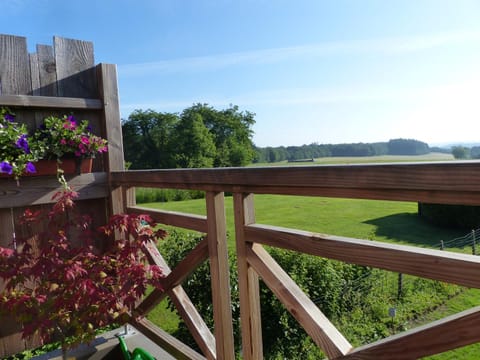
(448, 183)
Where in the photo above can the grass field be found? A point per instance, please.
(364, 159)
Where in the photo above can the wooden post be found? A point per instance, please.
(250, 317)
(474, 245)
(108, 90)
(400, 286)
(220, 273)
(442, 245)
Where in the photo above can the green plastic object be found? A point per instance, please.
(137, 354)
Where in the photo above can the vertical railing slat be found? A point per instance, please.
(249, 289)
(219, 268)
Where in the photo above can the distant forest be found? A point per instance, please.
(312, 151)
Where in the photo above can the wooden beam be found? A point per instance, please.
(317, 325)
(442, 182)
(172, 278)
(50, 102)
(461, 269)
(37, 190)
(173, 218)
(449, 333)
(248, 283)
(193, 320)
(220, 275)
(173, 346)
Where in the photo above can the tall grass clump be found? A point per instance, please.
(150, 195)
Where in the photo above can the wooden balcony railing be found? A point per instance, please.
(446, 183)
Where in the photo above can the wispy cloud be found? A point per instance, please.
(385, 46)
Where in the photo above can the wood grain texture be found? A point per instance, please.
(108, 90)
(451, 332)
(445, 182)
(76, 74)
(35, 76)
(248, 282)
(461, 269)
(47, 71)
(14, 66)
(40, 189)
(220, 278)
(173, 218)
(50, 102)
(166, 341)
(317, 325)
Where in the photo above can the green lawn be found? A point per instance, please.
(366, 219)
(363, 159)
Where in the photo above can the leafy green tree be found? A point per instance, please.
(147, 139)
(231, 131)
(460, 152)
(194, 144)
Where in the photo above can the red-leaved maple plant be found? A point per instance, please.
(61, 288)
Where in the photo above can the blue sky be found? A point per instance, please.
(312, 71)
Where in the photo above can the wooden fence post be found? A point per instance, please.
(249, 290)
(474, 245)
(220, 274)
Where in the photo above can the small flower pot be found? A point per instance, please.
(69, 166)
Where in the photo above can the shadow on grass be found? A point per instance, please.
(410, 229)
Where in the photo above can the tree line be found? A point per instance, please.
(199, 136)
(312, 151)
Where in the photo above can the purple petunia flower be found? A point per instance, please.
(9, 117)
(22, 143)
(5, 167)
(30, 168)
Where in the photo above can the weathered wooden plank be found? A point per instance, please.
(461, 269)
(449, 333)
(76, 74)
(220, 278)
(108, 89)
(317, 325)
(50, 102)
(446, 182)
(248, 283)
(173, 218)
(35, 76)
(14, 66)
(176, 348)
(47, 70)
(38, 190)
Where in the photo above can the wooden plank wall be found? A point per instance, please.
(61, 72)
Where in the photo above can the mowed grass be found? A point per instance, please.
(434, 156)
(386, 221)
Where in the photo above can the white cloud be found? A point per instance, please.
(386, 46)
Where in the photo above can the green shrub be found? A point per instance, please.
(457, 216)
(151, 195)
